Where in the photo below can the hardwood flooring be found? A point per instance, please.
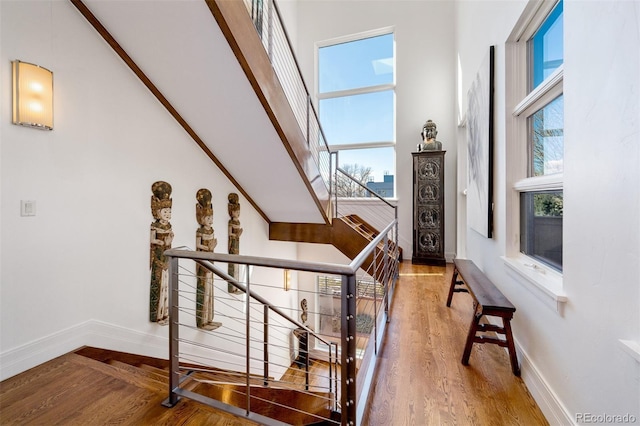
(75, 390)
(420, 380)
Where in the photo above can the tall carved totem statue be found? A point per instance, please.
(235, 230)
(161, 239)
(205, 241)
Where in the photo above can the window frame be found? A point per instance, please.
(521, 103)
(359, 91)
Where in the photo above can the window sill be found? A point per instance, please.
(540, 183)
(632, 348)
(545, 284)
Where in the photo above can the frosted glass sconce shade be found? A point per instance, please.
(32, 95)
(287, 279)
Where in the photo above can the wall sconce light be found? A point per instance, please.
(287, 279)
(32, 95)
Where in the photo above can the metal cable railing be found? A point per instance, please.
(249, 347)
(254, 363)
(354, 199)
(275, 40)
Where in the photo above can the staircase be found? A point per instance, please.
(350, 234)
(285, 404)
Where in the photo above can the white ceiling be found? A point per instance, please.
(181, 49)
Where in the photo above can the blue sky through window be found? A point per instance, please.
(355, 64)
(359, 118)
(547, 46)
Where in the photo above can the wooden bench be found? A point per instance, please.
(488, 300)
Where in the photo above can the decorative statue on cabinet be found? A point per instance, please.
(161, 239)
(235, 230)
(429, 142)
(302, 335)
(205, 241)
(304, 306)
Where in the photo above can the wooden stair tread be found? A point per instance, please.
(133, 376)
(226, 386)
(227, 377)
(73, 378)
(272, 402)
(160, 376)
(76, 390)
(105, 355)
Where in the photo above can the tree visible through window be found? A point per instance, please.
(541, 185)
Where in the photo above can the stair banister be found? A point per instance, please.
(353, 394)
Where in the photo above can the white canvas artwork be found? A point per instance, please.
(480, 149)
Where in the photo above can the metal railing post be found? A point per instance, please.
(248, 333)
(174, 361)
(375, 301)
(335, 385)
(306, 363)
(308, 121)
(335, 189)
(348, 338)
(386, 277)
(265, 323)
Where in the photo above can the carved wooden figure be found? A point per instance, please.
(235, 230)
(303, 359)
(304, 306)
(160, 240)
(205, 241)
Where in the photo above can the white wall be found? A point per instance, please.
(425, 75)
(81, 264)
(78, 272)
(573, 361)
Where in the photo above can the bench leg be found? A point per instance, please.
(511, 346)
(472, 334)
(454, 279)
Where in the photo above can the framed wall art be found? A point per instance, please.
(480, 148)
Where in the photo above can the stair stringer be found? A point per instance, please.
(349, 234)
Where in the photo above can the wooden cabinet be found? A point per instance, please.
(428, 208)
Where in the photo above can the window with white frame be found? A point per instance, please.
(535, 144)
(356, 96)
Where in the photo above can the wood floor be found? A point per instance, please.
(420, 380)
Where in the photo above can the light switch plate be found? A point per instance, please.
(27, 208)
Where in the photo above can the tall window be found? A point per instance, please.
(538, 137)
(356, 95)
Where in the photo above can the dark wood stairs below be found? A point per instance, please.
(349, 234)
(76, 390)
(226, 386)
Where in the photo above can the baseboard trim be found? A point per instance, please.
(551, 406)
(89, 333)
